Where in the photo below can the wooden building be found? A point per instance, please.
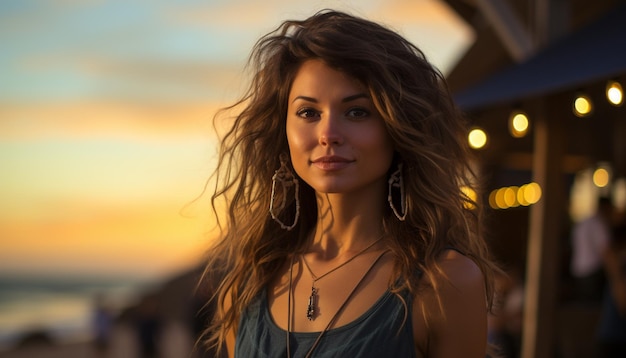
(537, 57)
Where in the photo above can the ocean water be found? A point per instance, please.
(62, 308)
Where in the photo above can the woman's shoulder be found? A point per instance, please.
(460, 270)
(451, 314)
(456, 276)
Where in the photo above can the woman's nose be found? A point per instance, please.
(330, 130)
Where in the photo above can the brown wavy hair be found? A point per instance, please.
(429, 133)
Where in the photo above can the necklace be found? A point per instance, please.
(313, 299)
(334, 317)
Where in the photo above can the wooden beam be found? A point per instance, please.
(619, 149)
(546, 217)
(515, 37)
(570, 164)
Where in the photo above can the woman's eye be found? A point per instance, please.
(358, 112)
(307, 113)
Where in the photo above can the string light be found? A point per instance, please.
(518, 124)
(601, 177)
(582, 106)
(477, 138)
(513, 196)
(471, 195)
(614, 93)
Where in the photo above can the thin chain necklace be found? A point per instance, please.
(313, 299)
(334, 317)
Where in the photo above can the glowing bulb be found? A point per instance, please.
(477, 138)
(521, 195)
(492, 199)
(601, 177)
(510, 197)
(582, 106)
(518, 125)
(614, 93)
(471, 195)
(499, 198)
(532, 193)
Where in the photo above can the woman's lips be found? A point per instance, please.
(331, 162)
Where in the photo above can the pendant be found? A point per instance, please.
(310, 311)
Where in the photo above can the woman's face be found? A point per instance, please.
(337, 139)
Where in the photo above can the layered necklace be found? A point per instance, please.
(312, 304)
(314, 298)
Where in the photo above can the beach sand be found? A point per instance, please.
(176, 342)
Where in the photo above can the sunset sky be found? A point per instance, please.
(105, 120)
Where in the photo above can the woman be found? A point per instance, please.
(348, 232)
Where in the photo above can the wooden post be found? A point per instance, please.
(619, 147)
(546, 216)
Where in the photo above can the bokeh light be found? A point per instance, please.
(514, 196)
(477, 138)
(582, 106)
(614, 93)
(470, 193)
(518, 124)
(532, 193)
(601, 177)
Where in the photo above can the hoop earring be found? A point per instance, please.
(396, 181)
(286, 179)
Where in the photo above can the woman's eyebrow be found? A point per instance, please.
(305, 98)
(355, 97)
(347, 99)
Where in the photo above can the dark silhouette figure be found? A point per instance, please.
(148, 325)
(612, 328)
(102, 321)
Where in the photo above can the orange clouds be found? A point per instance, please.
(102, 119)
(140, 241)
(96, 187)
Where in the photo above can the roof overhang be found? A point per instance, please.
(595, 52)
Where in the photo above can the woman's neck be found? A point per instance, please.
(345, 225)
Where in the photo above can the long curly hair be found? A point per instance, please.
(428, 131)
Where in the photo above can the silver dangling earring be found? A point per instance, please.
(286, 179)
(396, 181)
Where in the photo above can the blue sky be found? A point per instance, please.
(65, 49)
(60, 49)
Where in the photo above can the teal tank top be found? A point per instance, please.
(382, 331)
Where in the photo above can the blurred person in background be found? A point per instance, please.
(102, 322)
(612, 327)
(348, 232)
(591, 238)
(149, 326)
